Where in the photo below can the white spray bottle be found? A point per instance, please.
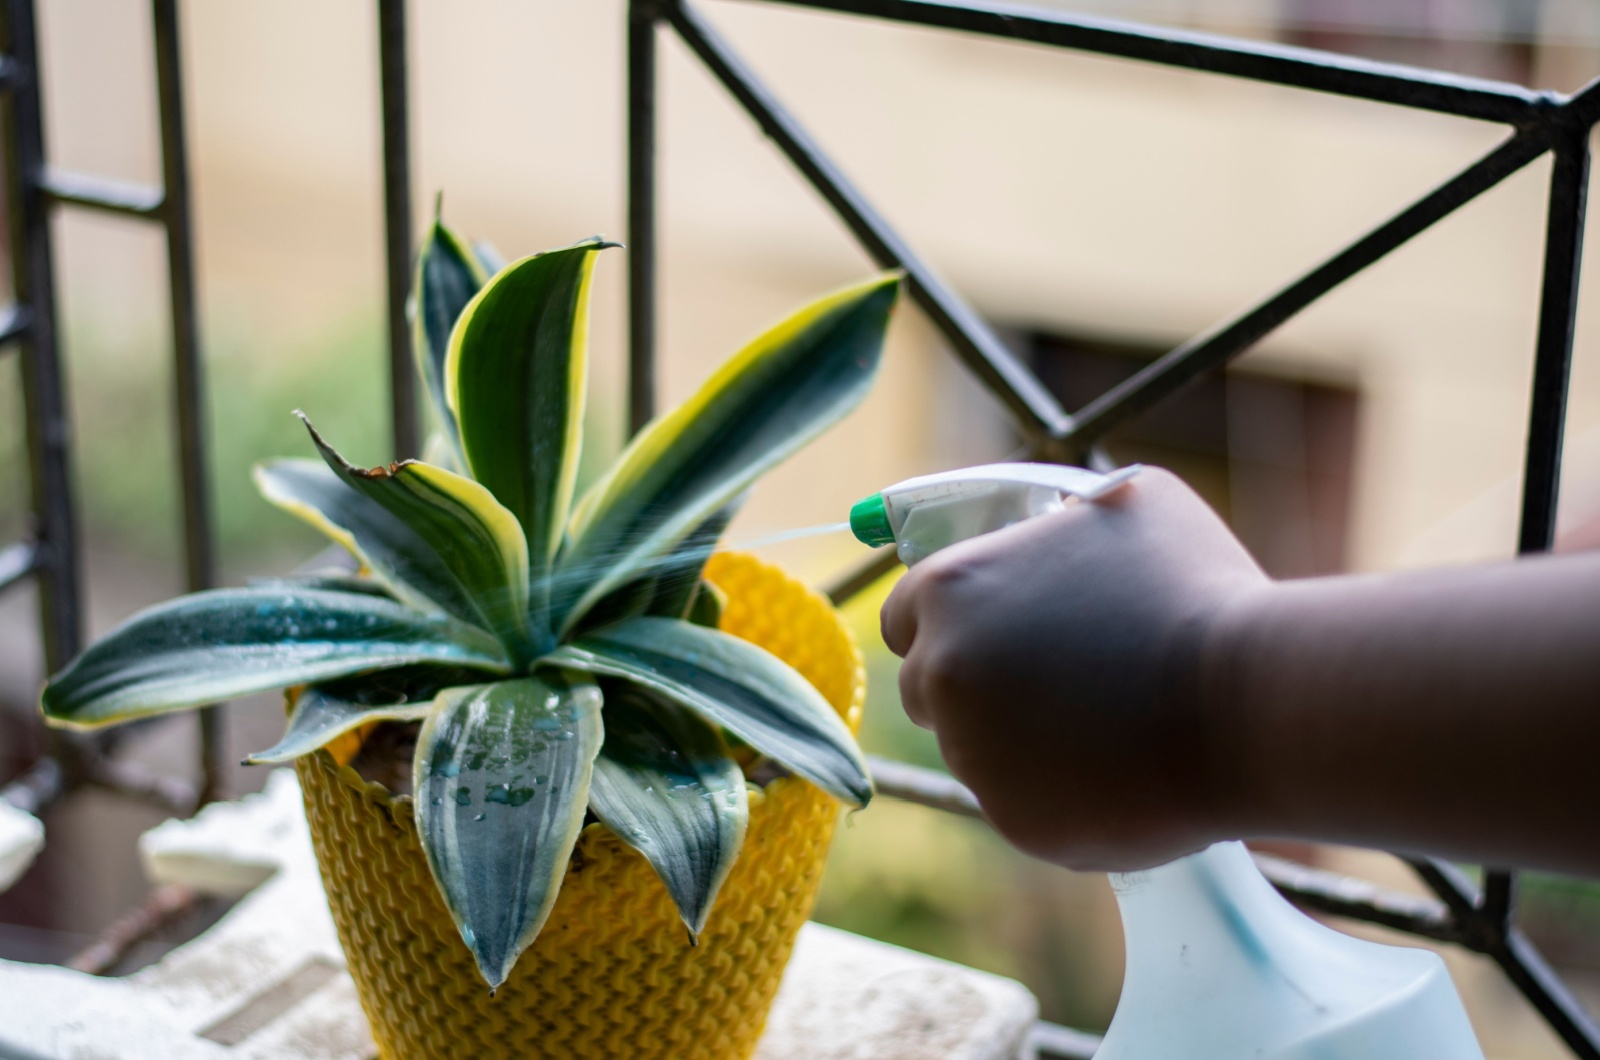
(1220, 966)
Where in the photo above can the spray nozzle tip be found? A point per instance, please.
(869, 521)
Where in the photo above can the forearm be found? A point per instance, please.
(1453, 712)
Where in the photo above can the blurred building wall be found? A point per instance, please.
(1056, 191)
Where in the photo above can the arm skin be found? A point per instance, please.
(1120, 684)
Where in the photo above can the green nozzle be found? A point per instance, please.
(869, 521)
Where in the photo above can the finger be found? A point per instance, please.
(912, 700)
(897, 620)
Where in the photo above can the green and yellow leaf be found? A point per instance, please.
(671, 586)
(323, 713)
(665, 784)
(396, 554)
(216, 645)
(766, 402)
(473, 536)
(448, 274)
(678, 577)
(737, 685)
(502, 781)
(516, 378)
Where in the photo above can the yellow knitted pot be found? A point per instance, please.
(612, 975)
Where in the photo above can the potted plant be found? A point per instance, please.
(628, 752)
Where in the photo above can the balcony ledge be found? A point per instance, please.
(268, 982)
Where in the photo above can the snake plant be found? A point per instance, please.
(557, 652)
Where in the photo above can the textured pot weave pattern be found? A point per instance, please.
(612, 974)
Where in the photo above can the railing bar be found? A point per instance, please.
(1517, 957)
(974, 342)
(925, 787)
(122, 197)
(1452, 885)
(397, 235)
(17, 561)
(858, 580)
(199, 556)
(642, 252)
(1314, 888)
(1227, 340)
(190, 401)
(160, 908)
(43, 783)
(1558, 308)
(48, 424)
(1050, 1041)
(1532, 975)
(1499, 896)
(1357, 899)
(1583, 106)
(1278, 64)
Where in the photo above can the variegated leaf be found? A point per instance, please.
(448, 274)
(396, 554)
(472, 534)
(231, 642)
(671, 586)
(739, 686)
(517, 375)
(765, 403)
(322, 713)
(665, 784)
(502, 781)
(678, 577)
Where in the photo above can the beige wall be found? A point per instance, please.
(1053, 189)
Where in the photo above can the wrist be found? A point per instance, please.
(1227, 711)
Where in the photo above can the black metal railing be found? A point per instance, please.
(1538, 122)
(51, 555)
(1479, 919)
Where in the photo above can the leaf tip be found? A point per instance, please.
(862, 791)
(51, 708)
(494, 973)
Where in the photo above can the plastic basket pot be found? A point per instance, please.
(612, 974)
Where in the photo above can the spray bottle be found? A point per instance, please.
(1220, 966)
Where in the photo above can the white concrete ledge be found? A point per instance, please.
(21, 839)
(268, 982)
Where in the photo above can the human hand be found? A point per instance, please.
(1062, 664)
